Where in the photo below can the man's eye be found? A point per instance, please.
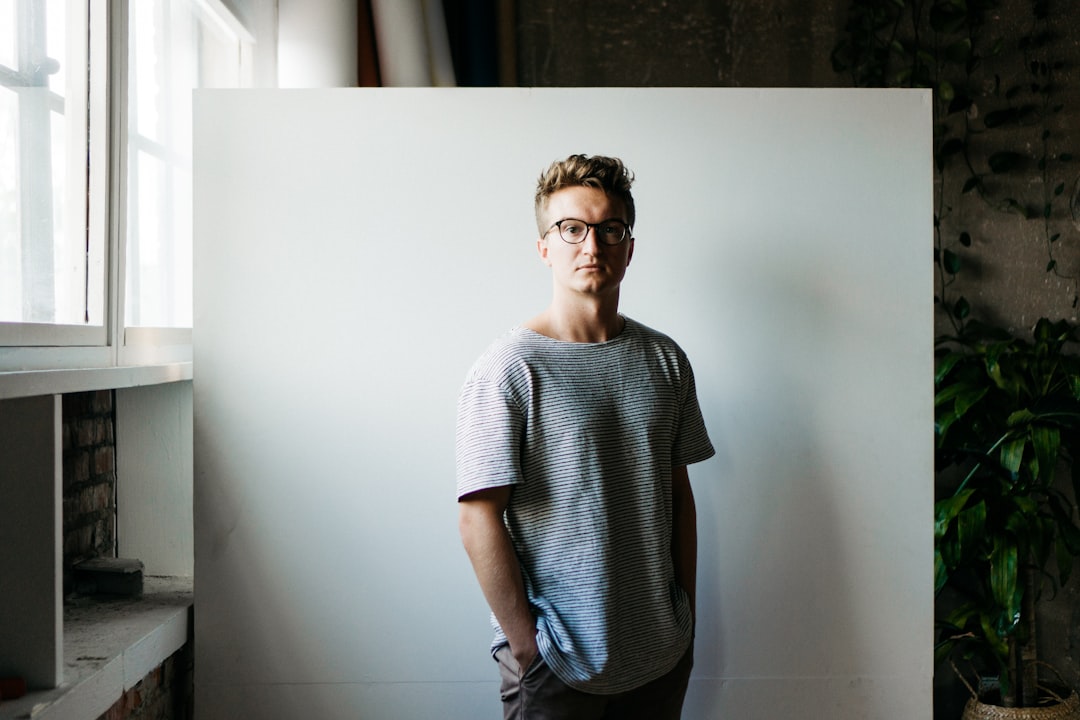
(573, 228)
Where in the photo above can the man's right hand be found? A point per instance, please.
(524, 654)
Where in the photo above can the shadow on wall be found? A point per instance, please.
(776, 530)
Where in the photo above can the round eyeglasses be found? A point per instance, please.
(607, 232)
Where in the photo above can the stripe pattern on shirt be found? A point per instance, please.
(587, 434)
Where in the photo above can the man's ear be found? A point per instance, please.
(630, 254)
(542, 250)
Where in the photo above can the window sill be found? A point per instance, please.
(108, 648)
(29, 383)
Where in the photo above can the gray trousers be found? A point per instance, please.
(537, 694)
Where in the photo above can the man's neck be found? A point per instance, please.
(583, 322)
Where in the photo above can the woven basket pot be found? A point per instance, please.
(1067, 709)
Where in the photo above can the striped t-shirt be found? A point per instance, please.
(587, 434)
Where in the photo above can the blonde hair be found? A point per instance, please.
(600, 172)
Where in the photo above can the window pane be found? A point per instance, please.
(43, 166)
(175, 46)
(8, 57)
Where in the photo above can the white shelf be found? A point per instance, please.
(30, 383)
(108, 647)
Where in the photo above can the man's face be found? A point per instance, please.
(588, 267)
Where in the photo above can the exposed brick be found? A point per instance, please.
(106, 530)
(102, 402)
(89, 476)
(86, 500)
(103, 496)
(104, 462)
(80, 463)
(164, 694)
(84, 433)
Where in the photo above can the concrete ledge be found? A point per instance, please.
(29, 383)
(108, 648)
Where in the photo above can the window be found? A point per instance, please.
(95, 218)
(52, 269)
(174, 47)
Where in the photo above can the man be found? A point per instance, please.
(574, 433)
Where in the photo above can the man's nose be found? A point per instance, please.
(591, 243)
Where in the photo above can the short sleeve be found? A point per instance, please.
(488, 438)
(692, 442)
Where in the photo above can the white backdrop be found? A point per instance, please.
(357, 249)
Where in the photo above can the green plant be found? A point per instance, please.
(1007, 421)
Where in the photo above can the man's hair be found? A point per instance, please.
(600, 172)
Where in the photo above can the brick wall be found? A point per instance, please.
(164, 694)
(89, 471)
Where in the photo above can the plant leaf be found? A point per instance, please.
(1020, 417)
(971, 528)
(961, 308)
(966, 400)
(945, 366)
(1003, 579)
(946, 510)
(951, 262)
(1046, 441)
(941, 573)
(953, 391)
(1012, 454)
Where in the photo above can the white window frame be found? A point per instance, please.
(37, 346)
(37, 336)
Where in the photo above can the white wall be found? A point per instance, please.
(317, 43)
(154, 490)
(357, 249)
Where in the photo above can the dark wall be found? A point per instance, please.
(682, 43)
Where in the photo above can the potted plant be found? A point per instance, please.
(1007, 425)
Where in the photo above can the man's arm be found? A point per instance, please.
(495, 563)
(684, 534)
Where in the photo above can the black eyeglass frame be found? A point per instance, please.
(628, 232)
